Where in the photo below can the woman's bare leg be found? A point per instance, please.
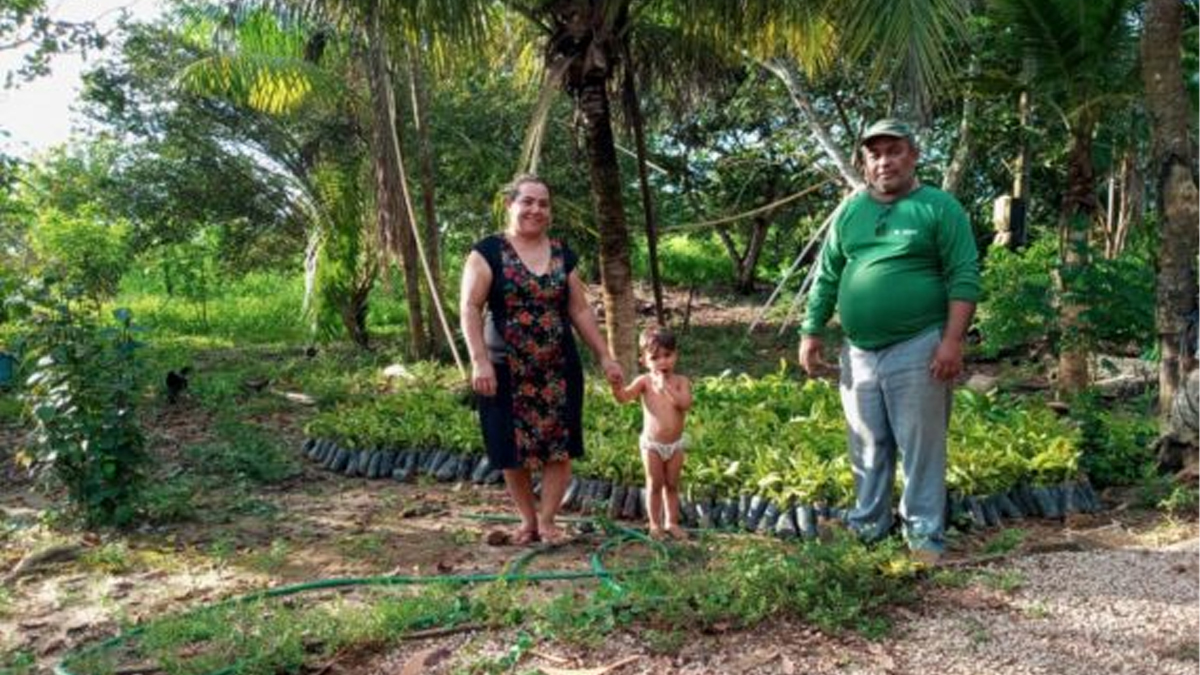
(520, 488)
(556, 476)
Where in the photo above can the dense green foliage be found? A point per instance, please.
(1018, 306)
(83, 251)
(1117, 442)
(82, 396)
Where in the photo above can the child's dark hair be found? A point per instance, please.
(657, 337)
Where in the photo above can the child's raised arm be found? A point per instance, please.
(625, 394)
(680, 392)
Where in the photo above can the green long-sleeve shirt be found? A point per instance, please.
(891, 269)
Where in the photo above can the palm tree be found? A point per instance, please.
(1082, 53)
(584, 41)
(381, 29)
(1174, 159)
(902, 46)
(306, 84)
(587, 42)
(420, 101)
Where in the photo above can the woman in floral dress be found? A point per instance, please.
(520, 297)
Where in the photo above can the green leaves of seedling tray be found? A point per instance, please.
(775, 436)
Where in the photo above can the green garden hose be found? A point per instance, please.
(617, 536)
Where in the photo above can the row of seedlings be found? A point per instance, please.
(752, 513)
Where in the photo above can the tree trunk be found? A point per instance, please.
(616, 274)
(1124, 203)
(1132, 202)
(354, 315)
(1019, 207)
(962, 151)
(1167, 103)
(749, 262)
(1110, 215)
(420, 107)
(791, 81)
(633, 111)
(1079, 208)
(394, 217)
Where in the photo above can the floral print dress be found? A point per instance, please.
(536, 414)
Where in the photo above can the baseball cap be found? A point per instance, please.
(889, 126)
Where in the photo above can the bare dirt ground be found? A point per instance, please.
(1113, 592)
(1110, 592)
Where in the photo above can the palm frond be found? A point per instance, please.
(273, 85)
(763, 29)
(907, 43)
(259, 61)
(1079, 47)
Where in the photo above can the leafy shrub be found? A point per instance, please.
(83, 250)
(82, 394)
(432, 417)
(1018, 301)
(1120, 299)
(996, 441)
(1115, 444)
(1017, 304)
(686, 261)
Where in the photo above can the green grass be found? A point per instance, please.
(1005, 541)
(261, 308)
(736, 582)
(19, 662)
(1005, 581)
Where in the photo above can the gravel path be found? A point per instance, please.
(1115, 611)
(1134, 611)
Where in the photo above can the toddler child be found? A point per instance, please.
(666, 397)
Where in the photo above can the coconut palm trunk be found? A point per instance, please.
(394, 218)
(1167, 102)
(1079, 208)
(616, 274)
(419, 87)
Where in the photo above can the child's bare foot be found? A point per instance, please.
(677, 533)
(657, 534)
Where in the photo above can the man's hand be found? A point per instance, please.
(483, 378)
(810, 355)
(947, 360)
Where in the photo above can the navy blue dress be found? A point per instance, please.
(536, 415)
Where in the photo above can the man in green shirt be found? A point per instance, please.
(901, 266)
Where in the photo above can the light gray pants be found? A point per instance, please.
(892, 403)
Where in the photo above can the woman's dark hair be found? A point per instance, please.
(513, 187)
(657, 337)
